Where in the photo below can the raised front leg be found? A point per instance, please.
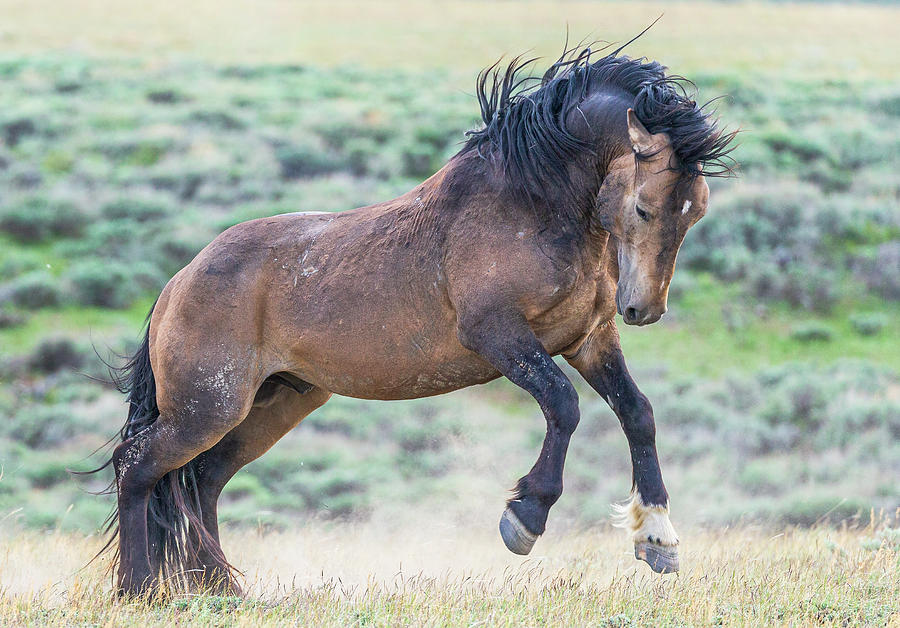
(646, 515)
(506, 341)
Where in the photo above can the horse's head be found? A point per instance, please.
(647, 203)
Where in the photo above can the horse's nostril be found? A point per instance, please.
(630, 314)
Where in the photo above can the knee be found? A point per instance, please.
(562, 404)
(638, 422)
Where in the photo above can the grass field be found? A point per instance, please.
(131, 136)
(437, 573)
(806, 39)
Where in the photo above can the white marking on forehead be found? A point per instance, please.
(686, 207)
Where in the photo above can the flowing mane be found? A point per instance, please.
(525, 117)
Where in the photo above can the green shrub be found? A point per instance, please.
(38, 218)
(137, 209)
(165, 96)
(764, 476)
(360, 154)
(18, 262)
(807, 287)
(419, 160)
(338, 133)
(58, 162)
(879, 270)
(42, 426)
(812, 331)
(34, 291)
(9, 319)
(172, 251)
(890, 104)
(851, 414)
(119, 239)
(46, 470)
(106, 284)
(14, 130)
(800, 399)
(810, 510)
(55, 354)
(135, 151)
(299, 161)
(869, 324)
(221, 120)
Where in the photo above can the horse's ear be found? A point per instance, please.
(641, 139)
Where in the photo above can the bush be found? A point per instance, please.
(360, 154)
(419, 160)
(34, 291)
(812, 331)
(105, 284)
(221, 120)
(135, 209)
(12, 131)
(868, 324)
(165, 96)
(58, 162)
(879, 270)
(55, 354)
(172, 252)
(10, 319)
(810, 288)
(810, 510)
(38, 218)
(140, 152)
(42, 426)
(305, 160)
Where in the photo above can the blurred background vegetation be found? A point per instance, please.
(130, 137)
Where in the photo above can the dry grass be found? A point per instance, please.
(433, 575)
(833, 41)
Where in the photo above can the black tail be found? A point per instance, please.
(175, 531)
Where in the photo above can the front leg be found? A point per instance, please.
(646, 515)
(504, 339)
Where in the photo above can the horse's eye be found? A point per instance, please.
(644, 215)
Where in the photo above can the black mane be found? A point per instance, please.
(525, 119)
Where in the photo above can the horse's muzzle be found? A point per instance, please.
(642, 316)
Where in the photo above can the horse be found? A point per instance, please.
(566, 207)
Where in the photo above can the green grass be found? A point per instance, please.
(696, 337)
(81, 323)
(818, 41)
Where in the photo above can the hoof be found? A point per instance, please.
(662, 559)
(515, 535)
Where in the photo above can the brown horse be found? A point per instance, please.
(568, 206)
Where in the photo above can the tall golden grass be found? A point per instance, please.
(428, 573)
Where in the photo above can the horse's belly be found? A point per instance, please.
(391, 376)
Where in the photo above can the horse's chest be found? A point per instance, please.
(581, 304)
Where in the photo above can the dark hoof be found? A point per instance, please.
(661, 558)
(516, 536)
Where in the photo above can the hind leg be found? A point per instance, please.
(195, 413)
(269, 420)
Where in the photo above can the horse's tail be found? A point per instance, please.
(175, 531)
